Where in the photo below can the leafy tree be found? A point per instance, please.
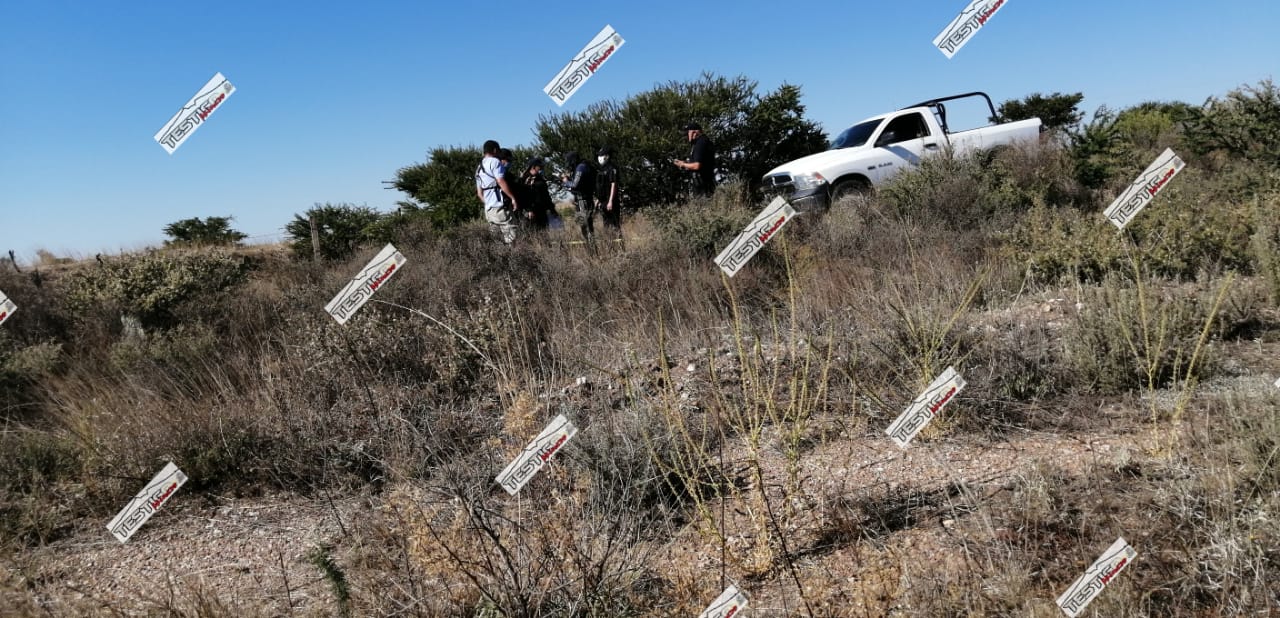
(1122, 143)
(444, 188)
(1096, 149)
(1245, 123)
(1154, 125)
(1056, 111)
(196, 231)
(752, 133)
(343, 228)
(776, 132)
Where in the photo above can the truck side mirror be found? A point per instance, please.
(888, 137)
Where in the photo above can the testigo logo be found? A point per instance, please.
(1088, 586)
(961, 29)
(360, 289)
(583, 65)
(925, 407)
(1149, 183)
(536, 455)
(756, 234)
(194, 113)
(145, 504)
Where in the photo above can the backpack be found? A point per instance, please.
(502, 196)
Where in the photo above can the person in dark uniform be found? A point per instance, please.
(509, 175)
(581, 182)
(701, 161)
(609, 192)
(537, 196)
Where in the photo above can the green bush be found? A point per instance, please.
(152, 286)
(343, 228)
(1112, 148)
(1188, 230)
(960, 192)
(1245, 124)
(1097, 149)
(698, 230)
(1133, 337)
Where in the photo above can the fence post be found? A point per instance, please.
(315, 239)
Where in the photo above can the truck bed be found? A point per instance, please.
(983, 138)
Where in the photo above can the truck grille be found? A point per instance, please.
(778, 184)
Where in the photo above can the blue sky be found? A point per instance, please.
(333, 97)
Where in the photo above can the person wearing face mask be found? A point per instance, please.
(581, 182)
(608, 192)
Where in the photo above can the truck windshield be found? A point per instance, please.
(856, 135)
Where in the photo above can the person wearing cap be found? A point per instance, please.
(538, 206)
(490, 188)
(701, 161)
(581, 182)
(608, 193)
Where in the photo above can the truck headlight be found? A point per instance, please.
(807, 182)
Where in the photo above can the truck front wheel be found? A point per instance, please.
(849, 187)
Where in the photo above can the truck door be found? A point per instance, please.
(901, 144)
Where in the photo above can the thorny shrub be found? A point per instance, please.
(152, 286)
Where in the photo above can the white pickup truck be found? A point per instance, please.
(876, 149)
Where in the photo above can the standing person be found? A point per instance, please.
(581, 182)
(491, 188)
(537, 196)
(608, 192)
(513, 182)
(701, 161)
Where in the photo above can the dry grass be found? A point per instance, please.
(710, 412)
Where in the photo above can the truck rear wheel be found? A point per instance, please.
(849, 187)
